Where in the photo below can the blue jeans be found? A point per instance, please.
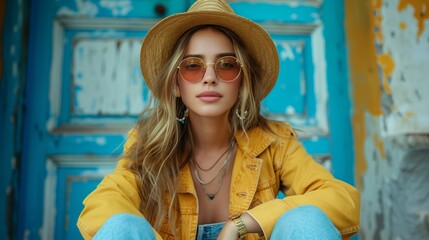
(305, 222)
(209, 231)
(125, 226)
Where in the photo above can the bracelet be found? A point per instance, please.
(241, 228)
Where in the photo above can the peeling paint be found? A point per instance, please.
(101, 141)
(83, 7)
(405, 68)
(106, 77)
(286, 51)
(387, 64)
(97, 172)
(49, 197)
(421, 12)
(320, 81)
(408, 115)
(378, 142)
(366, 94)
(118, 8)
(388, 70)
(387, 214)
(290, 110)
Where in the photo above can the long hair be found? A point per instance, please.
(163, 145)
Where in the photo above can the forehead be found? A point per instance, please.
(209, 42)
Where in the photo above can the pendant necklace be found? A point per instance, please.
(222, 170)
(210, 168)
(197, 175)
(211, 196)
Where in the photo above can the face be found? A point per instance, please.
(211, 96)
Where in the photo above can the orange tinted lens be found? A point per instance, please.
(192, 69)
(228, 68)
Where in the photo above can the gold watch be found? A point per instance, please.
(241, 228)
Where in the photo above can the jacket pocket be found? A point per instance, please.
(264, 192)
(165, 231)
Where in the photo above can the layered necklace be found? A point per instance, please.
(220, 172)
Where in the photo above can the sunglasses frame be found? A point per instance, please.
(206, 64)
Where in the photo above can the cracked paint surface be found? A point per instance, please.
(106, 77)
(420, 12)
(403, 61)
(388, 72)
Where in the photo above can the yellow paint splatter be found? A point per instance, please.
(377, 28)
(387, 64)
(421, 12)
(363, 27)
(376, 4)
(380, 145)
(377, 19)
(407, 116)
(402, 25)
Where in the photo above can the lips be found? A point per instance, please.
(209, 96)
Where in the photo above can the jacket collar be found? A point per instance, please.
(250, 143)
(254, 141)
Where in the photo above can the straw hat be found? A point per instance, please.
(159, 42)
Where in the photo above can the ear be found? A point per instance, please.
(176, 90)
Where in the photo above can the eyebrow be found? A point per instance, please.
(217, 55)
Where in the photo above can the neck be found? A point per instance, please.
(210, 134)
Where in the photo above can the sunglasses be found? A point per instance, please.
(192, 69)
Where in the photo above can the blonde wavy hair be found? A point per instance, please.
(163, 145)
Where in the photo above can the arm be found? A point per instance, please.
(117, 193)
(308, 183)
(229, 231)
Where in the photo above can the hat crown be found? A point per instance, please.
(211, 5)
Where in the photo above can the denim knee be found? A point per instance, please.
(125, 226)
(305, 222)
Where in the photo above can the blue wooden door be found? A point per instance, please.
(85, 90)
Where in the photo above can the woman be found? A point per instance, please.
(202, 163)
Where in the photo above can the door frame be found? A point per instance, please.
(338, 83)
(31, 186)
(13, 49)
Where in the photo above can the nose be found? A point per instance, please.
(210, 76)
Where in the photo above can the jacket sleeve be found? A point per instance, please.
(117, 193)
(305, 182)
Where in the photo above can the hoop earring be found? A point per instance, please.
(182, 119)
(241, 117)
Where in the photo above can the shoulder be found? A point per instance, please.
(279, 130)
(269, 131)
(271, 135)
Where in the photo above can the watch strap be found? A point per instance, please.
(241, 228)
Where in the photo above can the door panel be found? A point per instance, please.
(85, 91)
(300, 94)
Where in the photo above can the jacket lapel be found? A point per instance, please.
(247, 168)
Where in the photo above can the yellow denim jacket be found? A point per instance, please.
(264, 164)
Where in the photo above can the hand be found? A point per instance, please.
(229, 231)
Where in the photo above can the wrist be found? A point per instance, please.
(232, 228)
(240, 227)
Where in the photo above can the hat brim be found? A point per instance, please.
(158, 44)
